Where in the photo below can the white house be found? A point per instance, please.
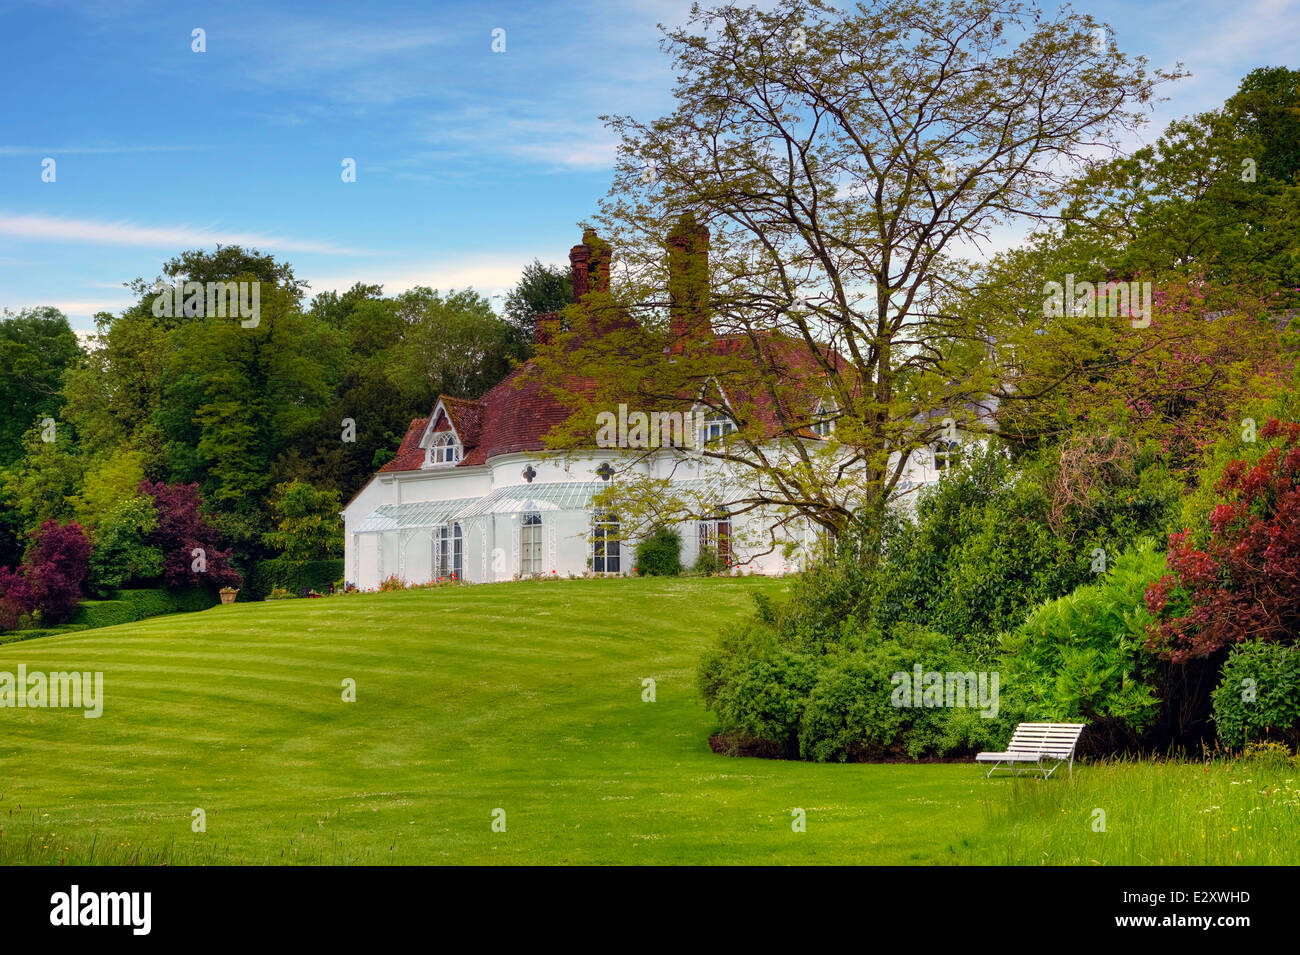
(472, 493)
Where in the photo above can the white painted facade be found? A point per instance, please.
(488, 523)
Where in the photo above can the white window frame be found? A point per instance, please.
(823, 423)
(602, 561)
(717, 425)
(532, 536)
(945, 454)
(448, 547)
(443, 450)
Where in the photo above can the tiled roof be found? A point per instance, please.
(516, 415)
(466, 417)
(409, 453)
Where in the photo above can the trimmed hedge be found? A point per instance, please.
(16, 636)
(292, 575)
(132, 605)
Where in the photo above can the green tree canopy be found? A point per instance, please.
(36, 347)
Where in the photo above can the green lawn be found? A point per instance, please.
(527, 698)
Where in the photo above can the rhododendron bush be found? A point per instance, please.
(1244, 583)
(51, 576)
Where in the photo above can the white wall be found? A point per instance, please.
(491, 545)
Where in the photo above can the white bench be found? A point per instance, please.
(1035, 743)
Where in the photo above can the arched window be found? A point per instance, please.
(946, 454)
(443, 449)
(530, 545)
(605, 543)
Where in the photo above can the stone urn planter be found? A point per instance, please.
(228, 594)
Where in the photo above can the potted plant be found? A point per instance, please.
(228, 594)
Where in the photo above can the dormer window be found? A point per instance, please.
(823, 422)
(443, 449)
(716, 426)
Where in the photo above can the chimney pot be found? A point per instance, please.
(688, 281)
(590, 264)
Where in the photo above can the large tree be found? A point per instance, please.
(846, 163)
(36, 347)
(540, 289)
(1215, 196)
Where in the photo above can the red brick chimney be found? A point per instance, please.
(590, 263)
(688, 281)
(578, 258)
(545, 327)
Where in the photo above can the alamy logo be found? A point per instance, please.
(38, 690)
(658, 429)
(1107, 300)
(933, 689)
(215, 299)
(103, 908)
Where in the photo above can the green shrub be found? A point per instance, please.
(707, 562)
(659, 554)
(987, 542)
(811, 694)
(147, 603)
(848, 712)
(1258, 697)
(857, 708)
(190, 600)
(121, 554)
(1084, 656)
(1000, 557)
(764, 696)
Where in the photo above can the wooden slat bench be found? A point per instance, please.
(1036, 743)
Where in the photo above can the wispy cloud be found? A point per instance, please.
(50, 229)
(91, 150)
(81, 308)
(486, 274)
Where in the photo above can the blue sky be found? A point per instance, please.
(469, 163)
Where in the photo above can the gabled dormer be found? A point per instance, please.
(442, 445)
(715, 421)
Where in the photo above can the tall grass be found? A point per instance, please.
(1179, 812)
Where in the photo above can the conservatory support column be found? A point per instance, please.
(403, 537)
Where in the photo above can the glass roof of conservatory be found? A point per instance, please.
(552, 496)
(397, 517)
(516, 499)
